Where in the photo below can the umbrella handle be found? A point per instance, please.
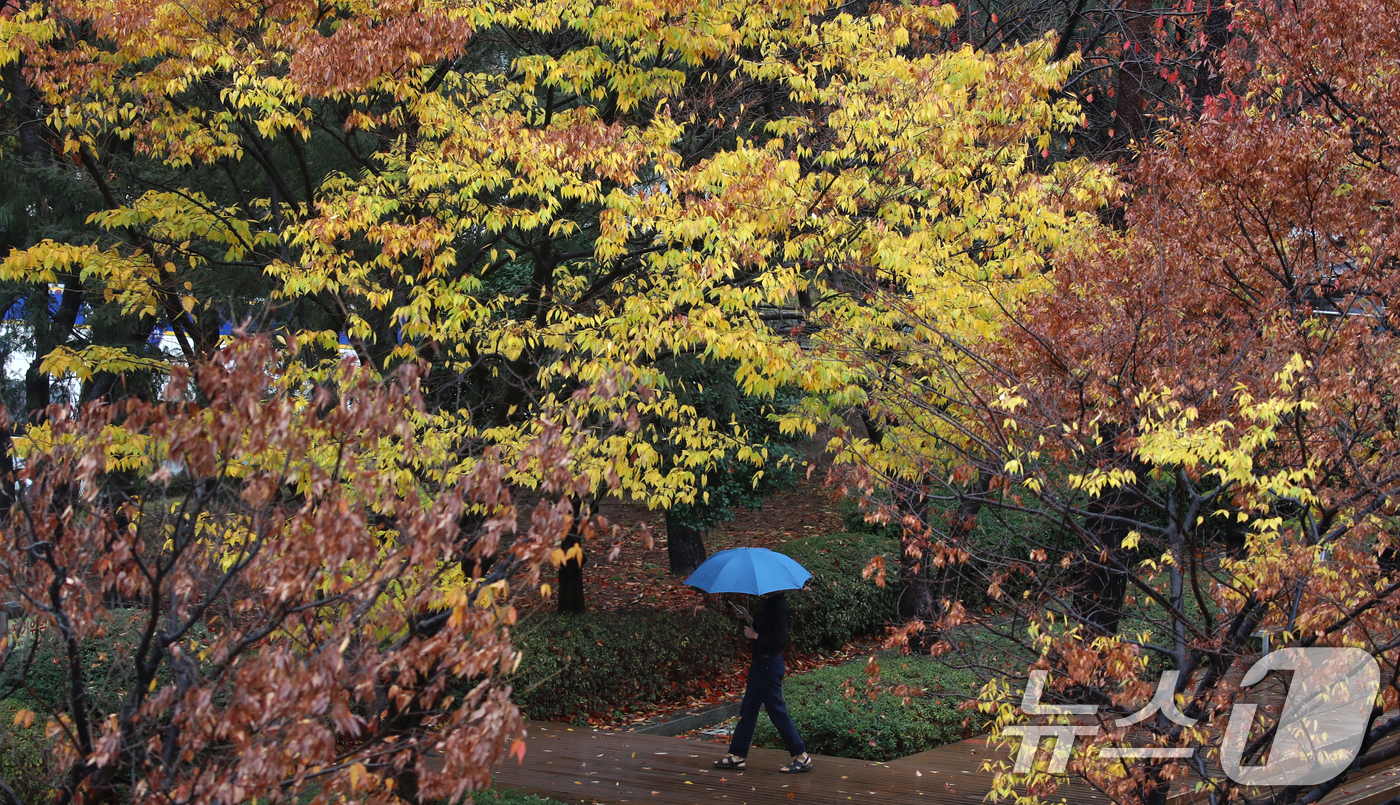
(744, 613)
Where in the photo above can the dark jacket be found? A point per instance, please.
(772, 627)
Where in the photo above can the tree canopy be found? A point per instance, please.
(1184, 438)
(1113, 277)
(529, 197)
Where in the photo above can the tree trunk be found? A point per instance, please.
(1066, 35)
(48, 336)
(1099, 598)
(37, 394)
(1236, 535)
(1217, 31)
(918, 590)
(950, 576)
(917, 596)
(571, 578)
(7, 469)
(924, 589)
(1131, 91)
(29, 115)
(685, 545)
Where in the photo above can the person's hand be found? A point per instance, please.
(750, 633)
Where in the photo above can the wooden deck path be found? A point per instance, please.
(582, 765)
(578, 764)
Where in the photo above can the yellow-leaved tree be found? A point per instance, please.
(533, 196)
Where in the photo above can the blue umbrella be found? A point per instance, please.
(755, 571)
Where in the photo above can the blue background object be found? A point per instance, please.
(755, 571)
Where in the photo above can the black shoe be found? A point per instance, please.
(797, 766)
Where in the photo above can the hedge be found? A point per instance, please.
(838, 604)
(597, 661)
(107, 662)
(853, 516)
(509, 796)
(26, 763)
(884, 728)
(571, 664)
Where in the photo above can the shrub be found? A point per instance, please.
(509, 796)
(882, 728)
(576, 664)
(486, 796)
(318, 580)
(25, 755)
(839, 603)
(106, 657)
(1001, 537)
(853, 517)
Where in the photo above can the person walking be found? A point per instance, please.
(764, 688)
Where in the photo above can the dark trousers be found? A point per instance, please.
(765, 689)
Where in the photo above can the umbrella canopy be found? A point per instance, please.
(755, 571)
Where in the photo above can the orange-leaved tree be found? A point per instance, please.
(300, 608)
(1189, 438)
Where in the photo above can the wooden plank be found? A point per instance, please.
(577, 764)
(1369, 790)
(1376, 782)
